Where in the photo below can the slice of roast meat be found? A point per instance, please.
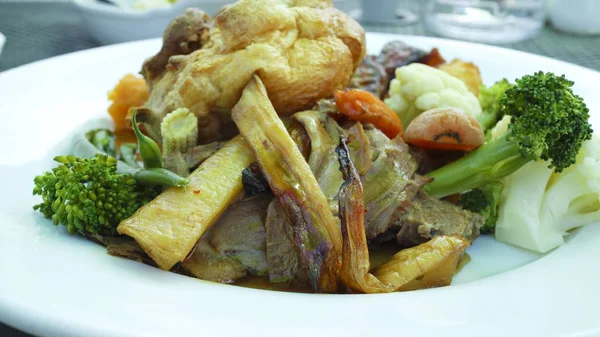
(122, 246)
(389, 183)
(283, 252)
(207, 264)
(395, 204)
(282, 257)
(240, 233)
(234, 246)
(397, 54)
(426, 217)
(370, 76)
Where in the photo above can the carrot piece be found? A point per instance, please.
(130, 92)
(446, 129)
(362, 106)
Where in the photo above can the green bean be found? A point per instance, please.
(157, 176)
(148, 148)
(82, 147)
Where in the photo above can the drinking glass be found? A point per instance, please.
(495, 21)
(380, 12)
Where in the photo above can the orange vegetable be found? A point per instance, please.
(446, 129)
(362, 106)
(433, 59)
(130, 92)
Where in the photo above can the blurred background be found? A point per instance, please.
(568, 30)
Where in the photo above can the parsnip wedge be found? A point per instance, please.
(315, 230)
(169, 226)
(434, 260)
(438, 277)
(433, 256)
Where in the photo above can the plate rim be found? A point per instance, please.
(24, 317)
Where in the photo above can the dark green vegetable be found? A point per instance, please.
(484, 200)
(149, 150)
(84, 148)
(88, 195)
(548, 122)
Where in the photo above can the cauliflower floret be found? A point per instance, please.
(519, 209)
(418, 87)
(573, 197)
(538, 207)
(500, 127)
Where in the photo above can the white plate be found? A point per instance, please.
(60, 285)
(110, 24)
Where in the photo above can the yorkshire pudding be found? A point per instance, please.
(302, 50)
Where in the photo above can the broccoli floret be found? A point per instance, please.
(88, 195)
(103, 140)
(548, 122)
(489, 99)
(484, 200)
(93, 191)
(474, 201)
